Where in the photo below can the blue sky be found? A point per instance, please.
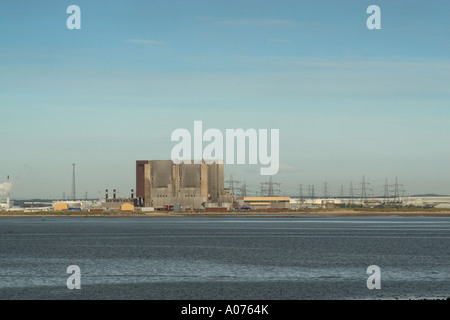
(348, 101)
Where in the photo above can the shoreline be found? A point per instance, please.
(285, 214)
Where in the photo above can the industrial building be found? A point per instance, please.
(116, 203)
(256, 203)
(60, 206)
(127, 207)
(6, 205)
(162, 183)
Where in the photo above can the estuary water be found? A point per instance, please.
(233, 258)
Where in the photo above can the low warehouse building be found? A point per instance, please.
(60, 206)
(127, 207)
(267, 202)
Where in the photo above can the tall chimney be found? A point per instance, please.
(132, 193)
(114, 193)
(106, 194)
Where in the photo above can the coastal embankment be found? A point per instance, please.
(360, 212)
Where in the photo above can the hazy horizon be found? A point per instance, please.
(348, 101)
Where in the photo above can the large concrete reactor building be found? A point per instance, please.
(162, 182)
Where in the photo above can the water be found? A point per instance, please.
(225, 258)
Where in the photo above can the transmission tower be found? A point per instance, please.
(325, 190)
(263, 191)
(270, 187)
(271, 190)
(351, 192)
(301, 193)
(243, 189)
(403, 192)
(73, 182)
(386, 191)
(396, 190)
(363, 191)
(231, 183)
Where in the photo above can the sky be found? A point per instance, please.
(348, 101)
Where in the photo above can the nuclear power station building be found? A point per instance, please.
(161, 182)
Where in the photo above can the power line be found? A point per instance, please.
(325, 190)
(231, 183)
(351, 192)
(271, 190)
(243, 190)
(386, 190)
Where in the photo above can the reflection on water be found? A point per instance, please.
(224, 258)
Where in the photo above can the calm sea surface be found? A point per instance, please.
(225, 258)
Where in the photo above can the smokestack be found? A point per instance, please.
(114, 193)
(132, 193)
(106, 194)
